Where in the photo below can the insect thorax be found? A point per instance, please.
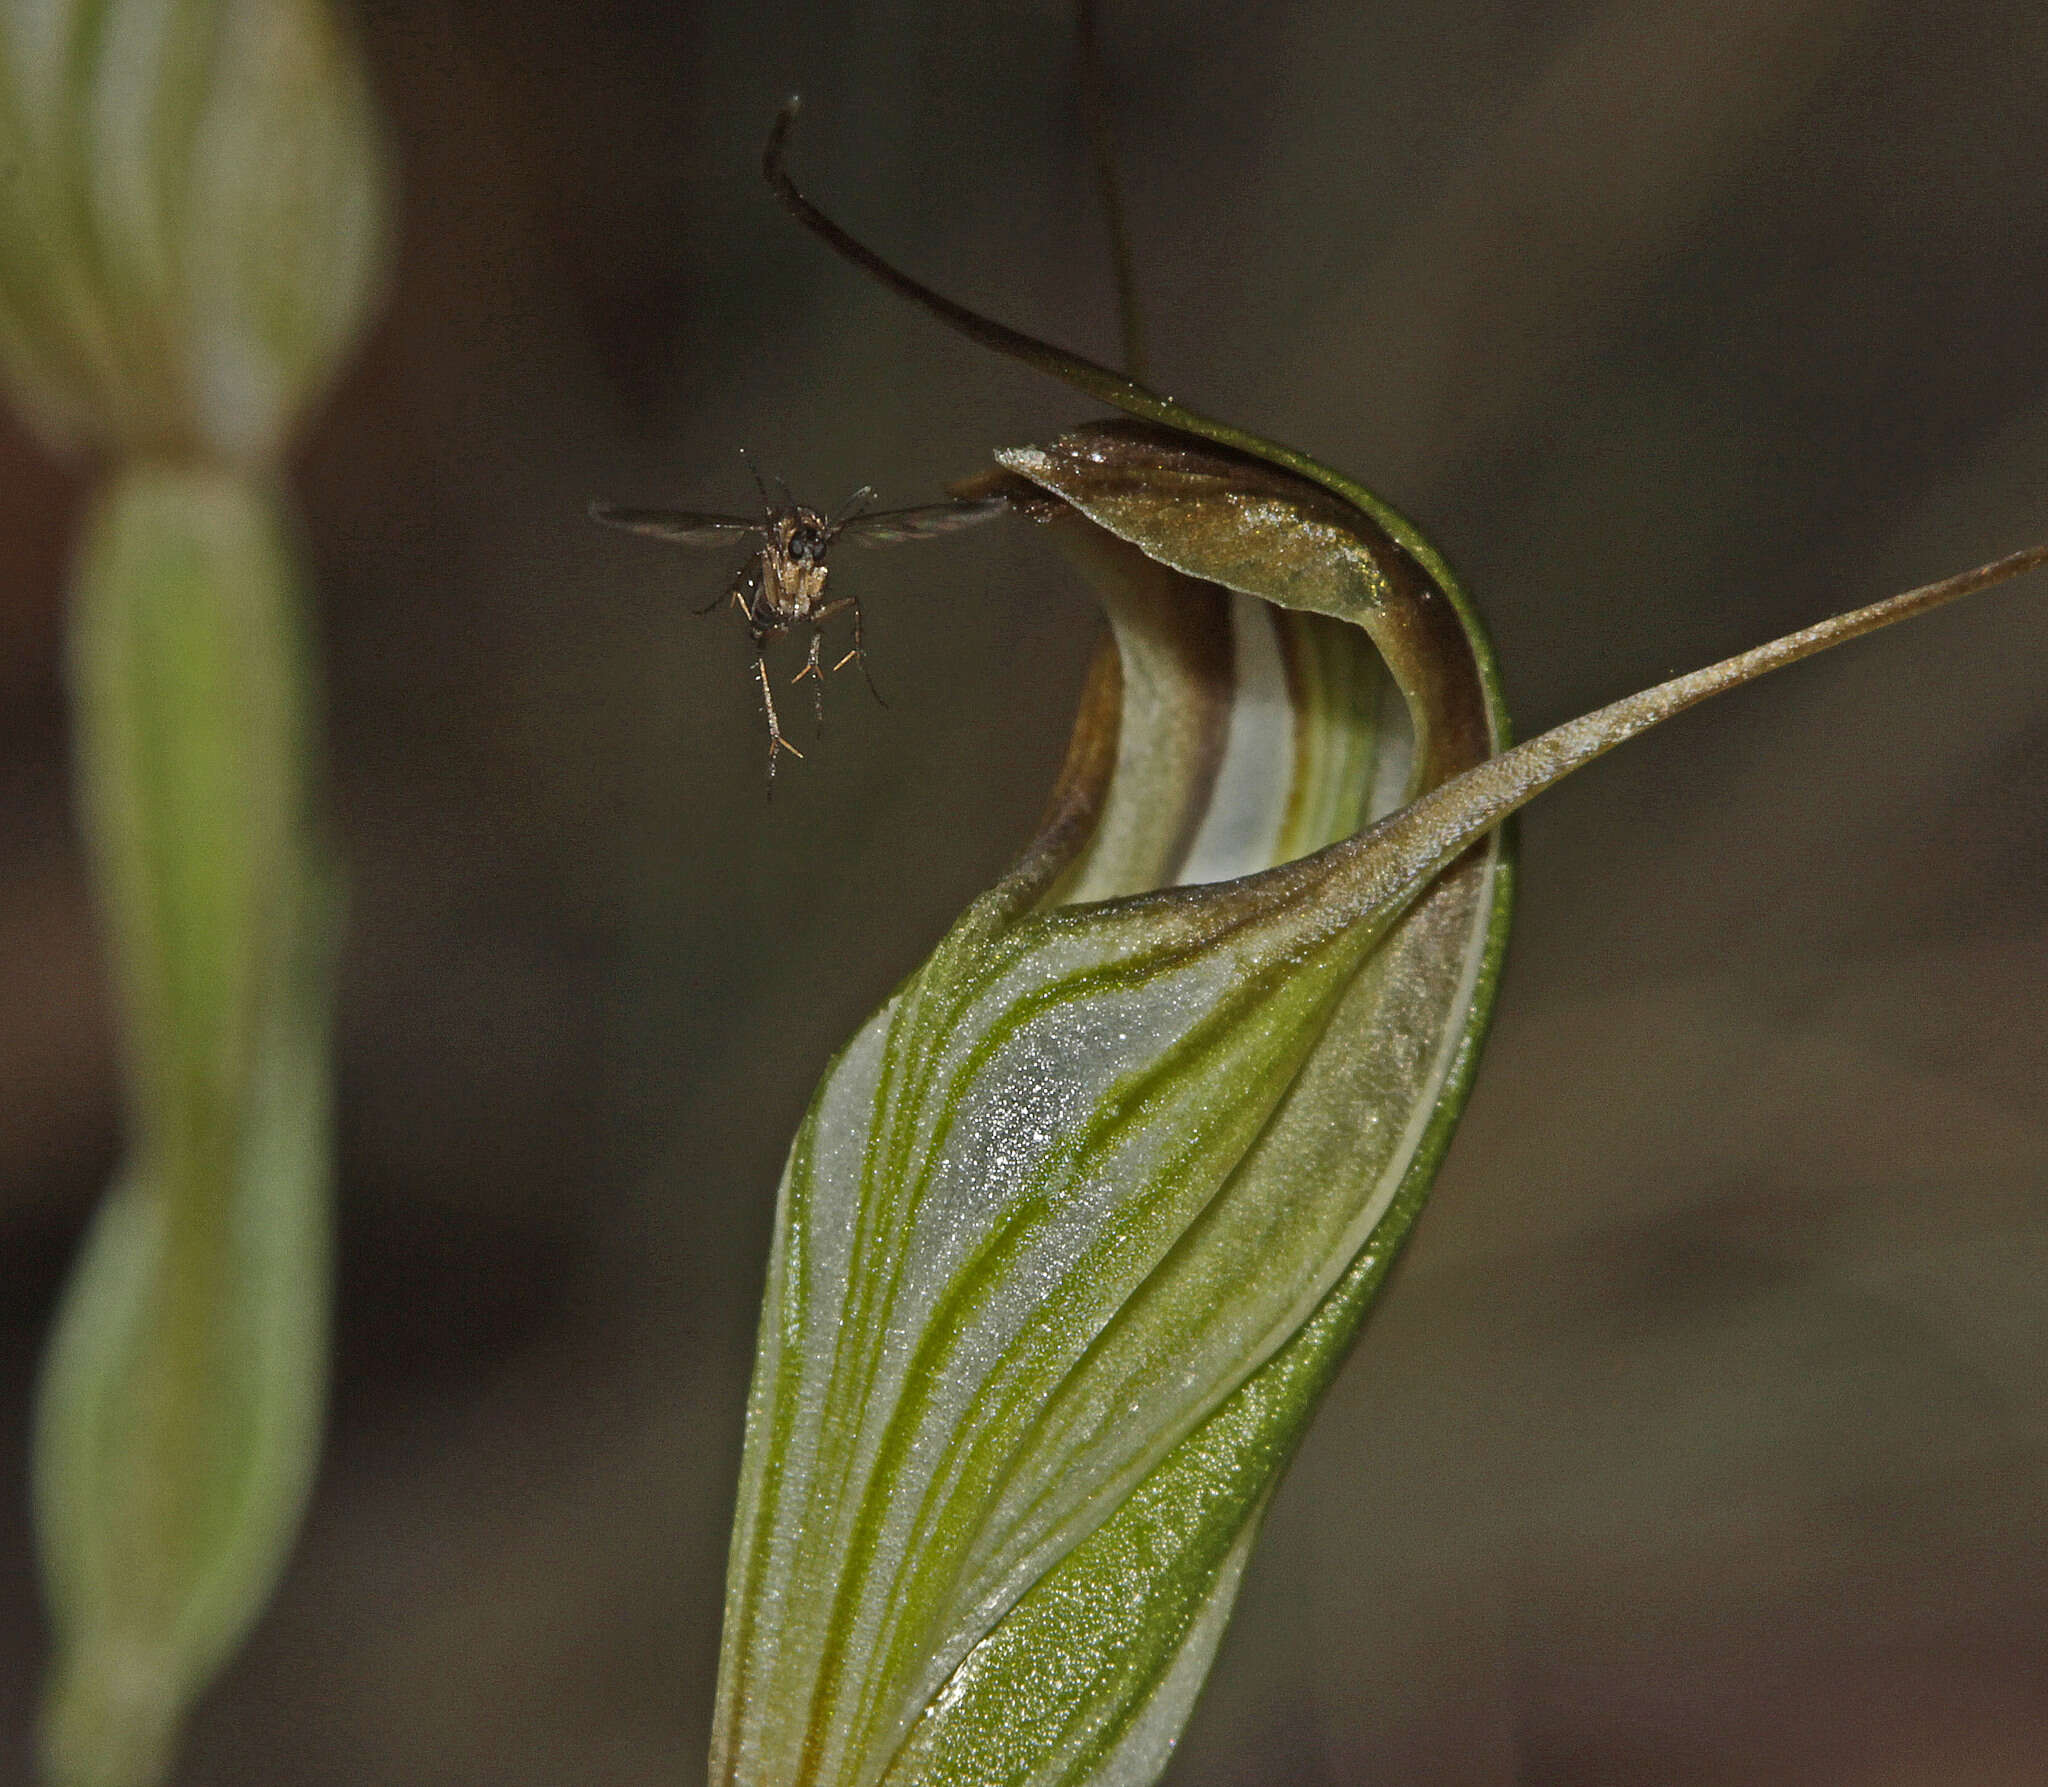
(793, 573)
(800, 534)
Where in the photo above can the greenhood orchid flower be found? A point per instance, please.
(1079, 1225)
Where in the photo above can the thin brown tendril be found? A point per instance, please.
(1095, 115)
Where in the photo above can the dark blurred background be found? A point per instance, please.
(1702, 1438)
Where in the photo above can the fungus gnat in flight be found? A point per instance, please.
(782, 584)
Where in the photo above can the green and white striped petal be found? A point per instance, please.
(1078, 1223)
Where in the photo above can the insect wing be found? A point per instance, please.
(680, 527)
(890, 526)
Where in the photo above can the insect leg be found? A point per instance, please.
(776, 742)
(826, 613)
(857, 655)
(740, 590)
(816, 671)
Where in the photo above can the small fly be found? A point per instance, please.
(783, 584)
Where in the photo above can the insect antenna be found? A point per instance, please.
(767, 508)
(853, 505)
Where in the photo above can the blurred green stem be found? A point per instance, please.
(180, 1413)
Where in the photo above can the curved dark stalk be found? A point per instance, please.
(1074, 369)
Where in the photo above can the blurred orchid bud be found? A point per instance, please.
(190, 221)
